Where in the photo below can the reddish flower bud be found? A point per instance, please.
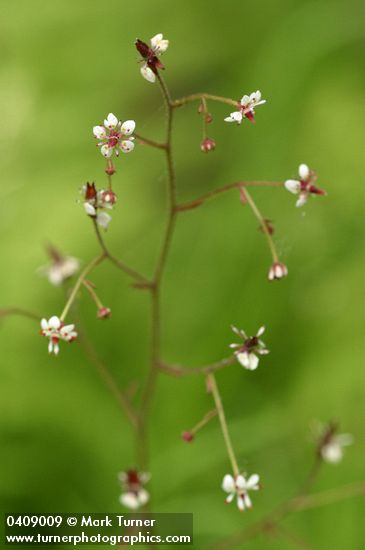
(103, 312)
(108, 197)
(187, 436)
(207, 145)
(208, 118)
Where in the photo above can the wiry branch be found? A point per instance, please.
(179, 370)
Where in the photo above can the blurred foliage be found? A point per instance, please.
(64, 65)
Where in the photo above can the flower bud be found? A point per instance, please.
(103, 312)
(278, 270)
(187, 436)
(207, 145)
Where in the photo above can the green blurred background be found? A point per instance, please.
(64, 66)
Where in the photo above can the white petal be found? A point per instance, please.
(230, 498)
(293, 186)
(332, 453)
(247, 499)
(50, 347)
(99, 132)
(303, 171)
(302, 200)
(106, 151)
(261, 331)
(127, 146)
(128, 127)
(143, 497)
(245, 100)
(111, 121)
(241, 482)
(89, 209)
(252, 482)
(244, 359)
(103, 219)
(156, 39)
(253, 361)
(44, 324)
(228, 484)
(236, 116)
(344, 439)
(129, 500)
(56, 348)
(240, 503)
(54, 322)
(148, 74)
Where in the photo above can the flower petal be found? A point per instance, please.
(89, 209)
(302, 199)
(127, 146)
(54, 322)
(106, 151)
(148, 74)
(44, 324)
(129, 500)
(128, 127)
(228, 484)
(293, 186)
(99, 132)
(243, 359)
(236, 116)
(303, 171)
(252, 482)
(253, 361)
(111, 121)
(103, 219)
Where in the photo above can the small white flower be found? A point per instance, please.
(55, 330)
(247, 351)
(246, 107)
(278, 270)
(239, 487)
(150, 53)
(112, 136)
(331, 444)
(304, 186)
(134, 495)
(158, 44)
(95, 200)
(60, 268)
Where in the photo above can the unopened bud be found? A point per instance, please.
(207, 145)
(187, 436)
(103, 312)
(278, 270)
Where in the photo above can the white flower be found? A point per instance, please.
(304, 185)
(150, 53)
(332, 452)
(112, 136)
(95, 200)
(246, 107)
(239, 486)
(158, 44)
(247, 352)
(60, 268)
(278, 270)
(134, 495)
(331, 444)
(55, 330)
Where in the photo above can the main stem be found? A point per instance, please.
(155, 286)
